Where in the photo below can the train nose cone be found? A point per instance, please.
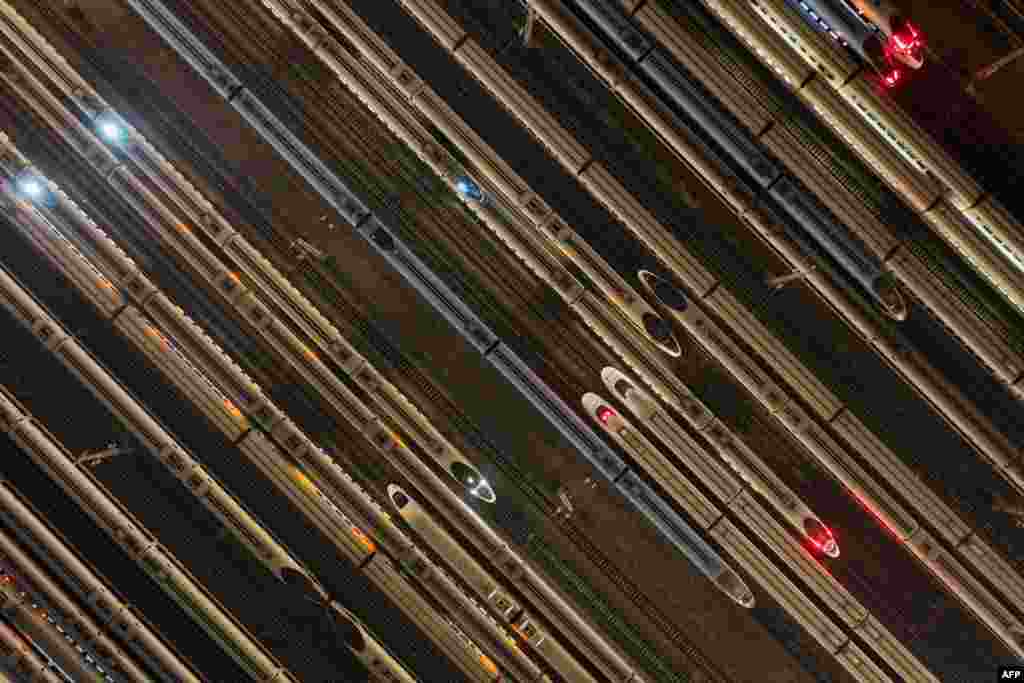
(913, 60)
(473, 481)
(667, 293)
(397, 496)
(484, 492)
(345, 628)
(831, 548)
(658, 329)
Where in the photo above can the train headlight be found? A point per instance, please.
(33, 187)
(398, 496)
(821, 537)
(109, 127)
(483, 491)
(346, 628)
(474, 482)
(666, 292)
(469, 189)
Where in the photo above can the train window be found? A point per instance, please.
(399, 498)
(466, 475)
(658, 329)
(668, 294)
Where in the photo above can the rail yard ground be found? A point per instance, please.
(380, 295)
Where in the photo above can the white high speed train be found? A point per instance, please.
(743, 461)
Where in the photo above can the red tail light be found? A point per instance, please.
(907, 40)
(821, 537)
(604, 413)
(892, 78)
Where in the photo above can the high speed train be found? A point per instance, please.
(244, 396)
(972, 221)
(164, 350)
(400, 257)
(25, 663)
(75, 623)
(121, 620)
(700, 554)
(627, 345)
(738, 456)
(874, 29)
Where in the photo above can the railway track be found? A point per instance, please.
(375, 341)
(761, 85)
(605, 558)
(179, 132)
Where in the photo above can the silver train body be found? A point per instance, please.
(113, 612)
(17, 606)
(382, 665)
(503, 602)
(974, 223)
(568, 151)
(431, 287)
(873, 254)
(680, 490)
(185, 201)
(529, 246)
(975, 596)
(564, 147)
(19, 661)
(741, 459)
(740, 510)
(233, 382)
(164, 351)
(98, 641)
(119, 524)
(742, 148)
